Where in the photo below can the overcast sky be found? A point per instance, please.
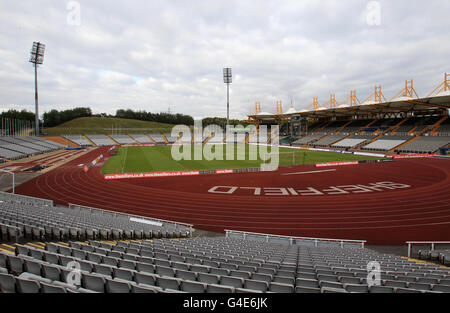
(149, 55)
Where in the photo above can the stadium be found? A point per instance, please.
(358, 201)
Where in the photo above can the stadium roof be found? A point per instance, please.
(437, 100)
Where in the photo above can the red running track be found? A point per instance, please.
(342, 202)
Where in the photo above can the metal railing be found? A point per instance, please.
(293, 240)
(24, 199)
(118, 214)
(431, 243)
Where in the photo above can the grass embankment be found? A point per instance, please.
(106, 125)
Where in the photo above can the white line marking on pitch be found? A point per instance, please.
(310, 172)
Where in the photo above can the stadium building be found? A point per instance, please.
(364, 186)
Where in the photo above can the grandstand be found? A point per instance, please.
(100, 140)
(157, 138)
(37, 219)
(217, 137)
(426, 144)
(404, 123)
(186, 138)
(79, 140)
(170, 138)
(420, 135)
(238, 263)
(348, 143)
(329, 140)
(12, 148)
(141, 138)
(386, 143)
(123, 139)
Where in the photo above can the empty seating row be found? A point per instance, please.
(37, 219)
(308, 139)
(443, 256)
(101, 140)
(328, 140)
(348, 143)
(426, 144)
(386, 143)
(12, 148)
(123, 139)
(157, 138)
(216, 137)
(141, 138)
(79, 140)
(212, 264)
(170, 138)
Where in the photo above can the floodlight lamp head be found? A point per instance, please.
(37, 53)
(227, 76)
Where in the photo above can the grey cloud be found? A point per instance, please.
(155, 54)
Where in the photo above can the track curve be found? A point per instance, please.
(345, 203)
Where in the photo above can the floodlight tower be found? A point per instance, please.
(37, 57)
(227, 80)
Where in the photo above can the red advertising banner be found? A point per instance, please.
(152, 174)
(140, 145)
(411, 156)
(161, 174)
(225, 171)
(336, 163)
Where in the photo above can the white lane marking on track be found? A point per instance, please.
(310, 172)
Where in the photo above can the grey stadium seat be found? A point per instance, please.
(146, 279)
(143, 289)
(51, 272)
(262, 277)
(192, 286)
(93, 282)
(441, 288)
(381, 289)
(123, 274)
(309, 283)
(14, 265)
(256, 285)
(300, 289)
(165, 271)
(357, 288)
(168, 283)
(27, 286)
(103, 269)
(208, 278)
(235, 282)
(49, 288)
(33, 267)
(407, 290)
(186, 275)
(146, 268)
(213, 288)
(281, 288)
(284, 280)
(7, 283)
(113, 286)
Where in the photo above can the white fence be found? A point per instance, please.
(431, 243)
(291, 240)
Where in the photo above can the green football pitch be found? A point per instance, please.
(159, 158)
